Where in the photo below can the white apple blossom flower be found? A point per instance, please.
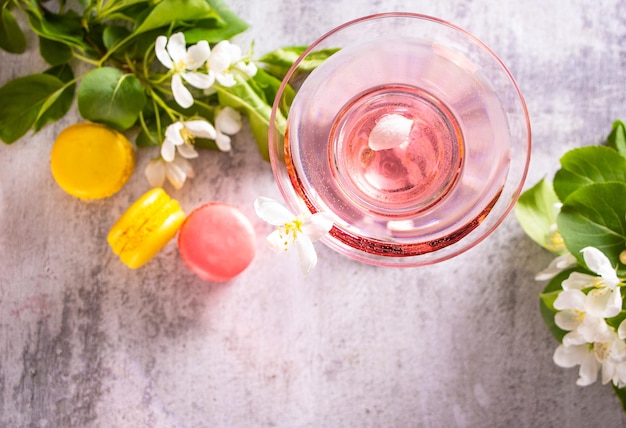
(225, 58)
(301, 230)
(578, 355)
(608, 355)
(227, 122)
(605, 299)
(556, 266)
(611, 354)
(176, 148)
(176, 172)
(181, 135)
(183, 63)
(573, 317)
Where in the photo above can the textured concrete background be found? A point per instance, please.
(85, 342)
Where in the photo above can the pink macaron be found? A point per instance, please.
(217, 241)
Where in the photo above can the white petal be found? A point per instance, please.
(603, 302)
(199, 80)
(228, 121)
(569, 356)
(565, 261)
(317, 225)
(175, 175)
(249, 69)
(223, 142)
(198, 54)
(201, 129)
(567, 320)
(306, 253)
(621, 330)
(272, 211)
(574, 338)
(595, 329)
(556, 266)
(235, 52)
(600, 264)
(390, 131)
(177, 48)
(181, 94)
(608, 371)
(618, 349)
(187, 151)
(578, 281)
(172, 133)
(220, 59)
(168, 150)
(621, 375)
(225, 79)
(184, 165)
(155, 172)
(277, 242)
(161, 53)
(588, 372)
(570, 299)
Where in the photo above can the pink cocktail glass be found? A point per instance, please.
(413, 135)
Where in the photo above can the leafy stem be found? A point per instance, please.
(173, 114)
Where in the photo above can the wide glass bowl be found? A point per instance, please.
(412, 134)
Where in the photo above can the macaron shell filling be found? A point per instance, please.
(153, 236)
(145, 228)
(217, 242)
(135, 217)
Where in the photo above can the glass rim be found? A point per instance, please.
(479, 233)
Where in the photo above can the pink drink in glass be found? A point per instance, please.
(439, 180)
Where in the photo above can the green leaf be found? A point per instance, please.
(546, 303)
(587, 165)
(62, 104)
(114, 34)
(536, 213)
(64, 28)
(226, 26)
(55, 53)
(24, 99)
(128, 11)
(167, 12)
(28, 95)
(279, 61)
(109, 96)
(617, 137)
(148, 139)
(254, 97)
(594, 216)
(617, 320)
(242, 97)
(12, 37)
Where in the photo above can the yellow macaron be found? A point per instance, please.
(145, 228)
(91, 161)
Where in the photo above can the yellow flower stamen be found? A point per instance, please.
(598, 282)
(289, 232)
(602, 351)
(555, 242)
(187, 136)
(579, 315)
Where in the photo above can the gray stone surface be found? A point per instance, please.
(85, 342)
